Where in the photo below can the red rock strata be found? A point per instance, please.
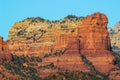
(4, 50)
(93, 41)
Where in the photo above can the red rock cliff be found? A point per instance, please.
(93, 34)
(4, 50)
(93, 41)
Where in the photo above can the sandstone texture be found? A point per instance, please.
(93, 41)
(90, 38)
(36, 36)
(75, 44)
(4, 50)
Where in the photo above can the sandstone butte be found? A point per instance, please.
(92, 40)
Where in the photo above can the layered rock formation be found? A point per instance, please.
(92, 41)
(83, 48)
(4, 50)
(36, 36)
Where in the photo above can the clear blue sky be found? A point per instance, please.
(12, 11)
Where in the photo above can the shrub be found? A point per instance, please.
(75, 75)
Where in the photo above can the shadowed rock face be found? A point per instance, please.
(4, 50)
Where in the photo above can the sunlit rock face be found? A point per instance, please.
(90, 38)
(93, 34)
(37, 36)
(94, 42)
(4, 50)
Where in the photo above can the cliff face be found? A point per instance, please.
(93, 41)
(97, 42)
(4, 50)
(98, 37)
(68, 44)
(36, 36)
(32, 33)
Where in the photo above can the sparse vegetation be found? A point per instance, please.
(88, 63)
(92, 68)
(42, 27)
(57, 53)
(30, 72)
(75, 75)
(47, 55)
(23, 59)
(117, 59)
(16, 68)
(48, 66)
